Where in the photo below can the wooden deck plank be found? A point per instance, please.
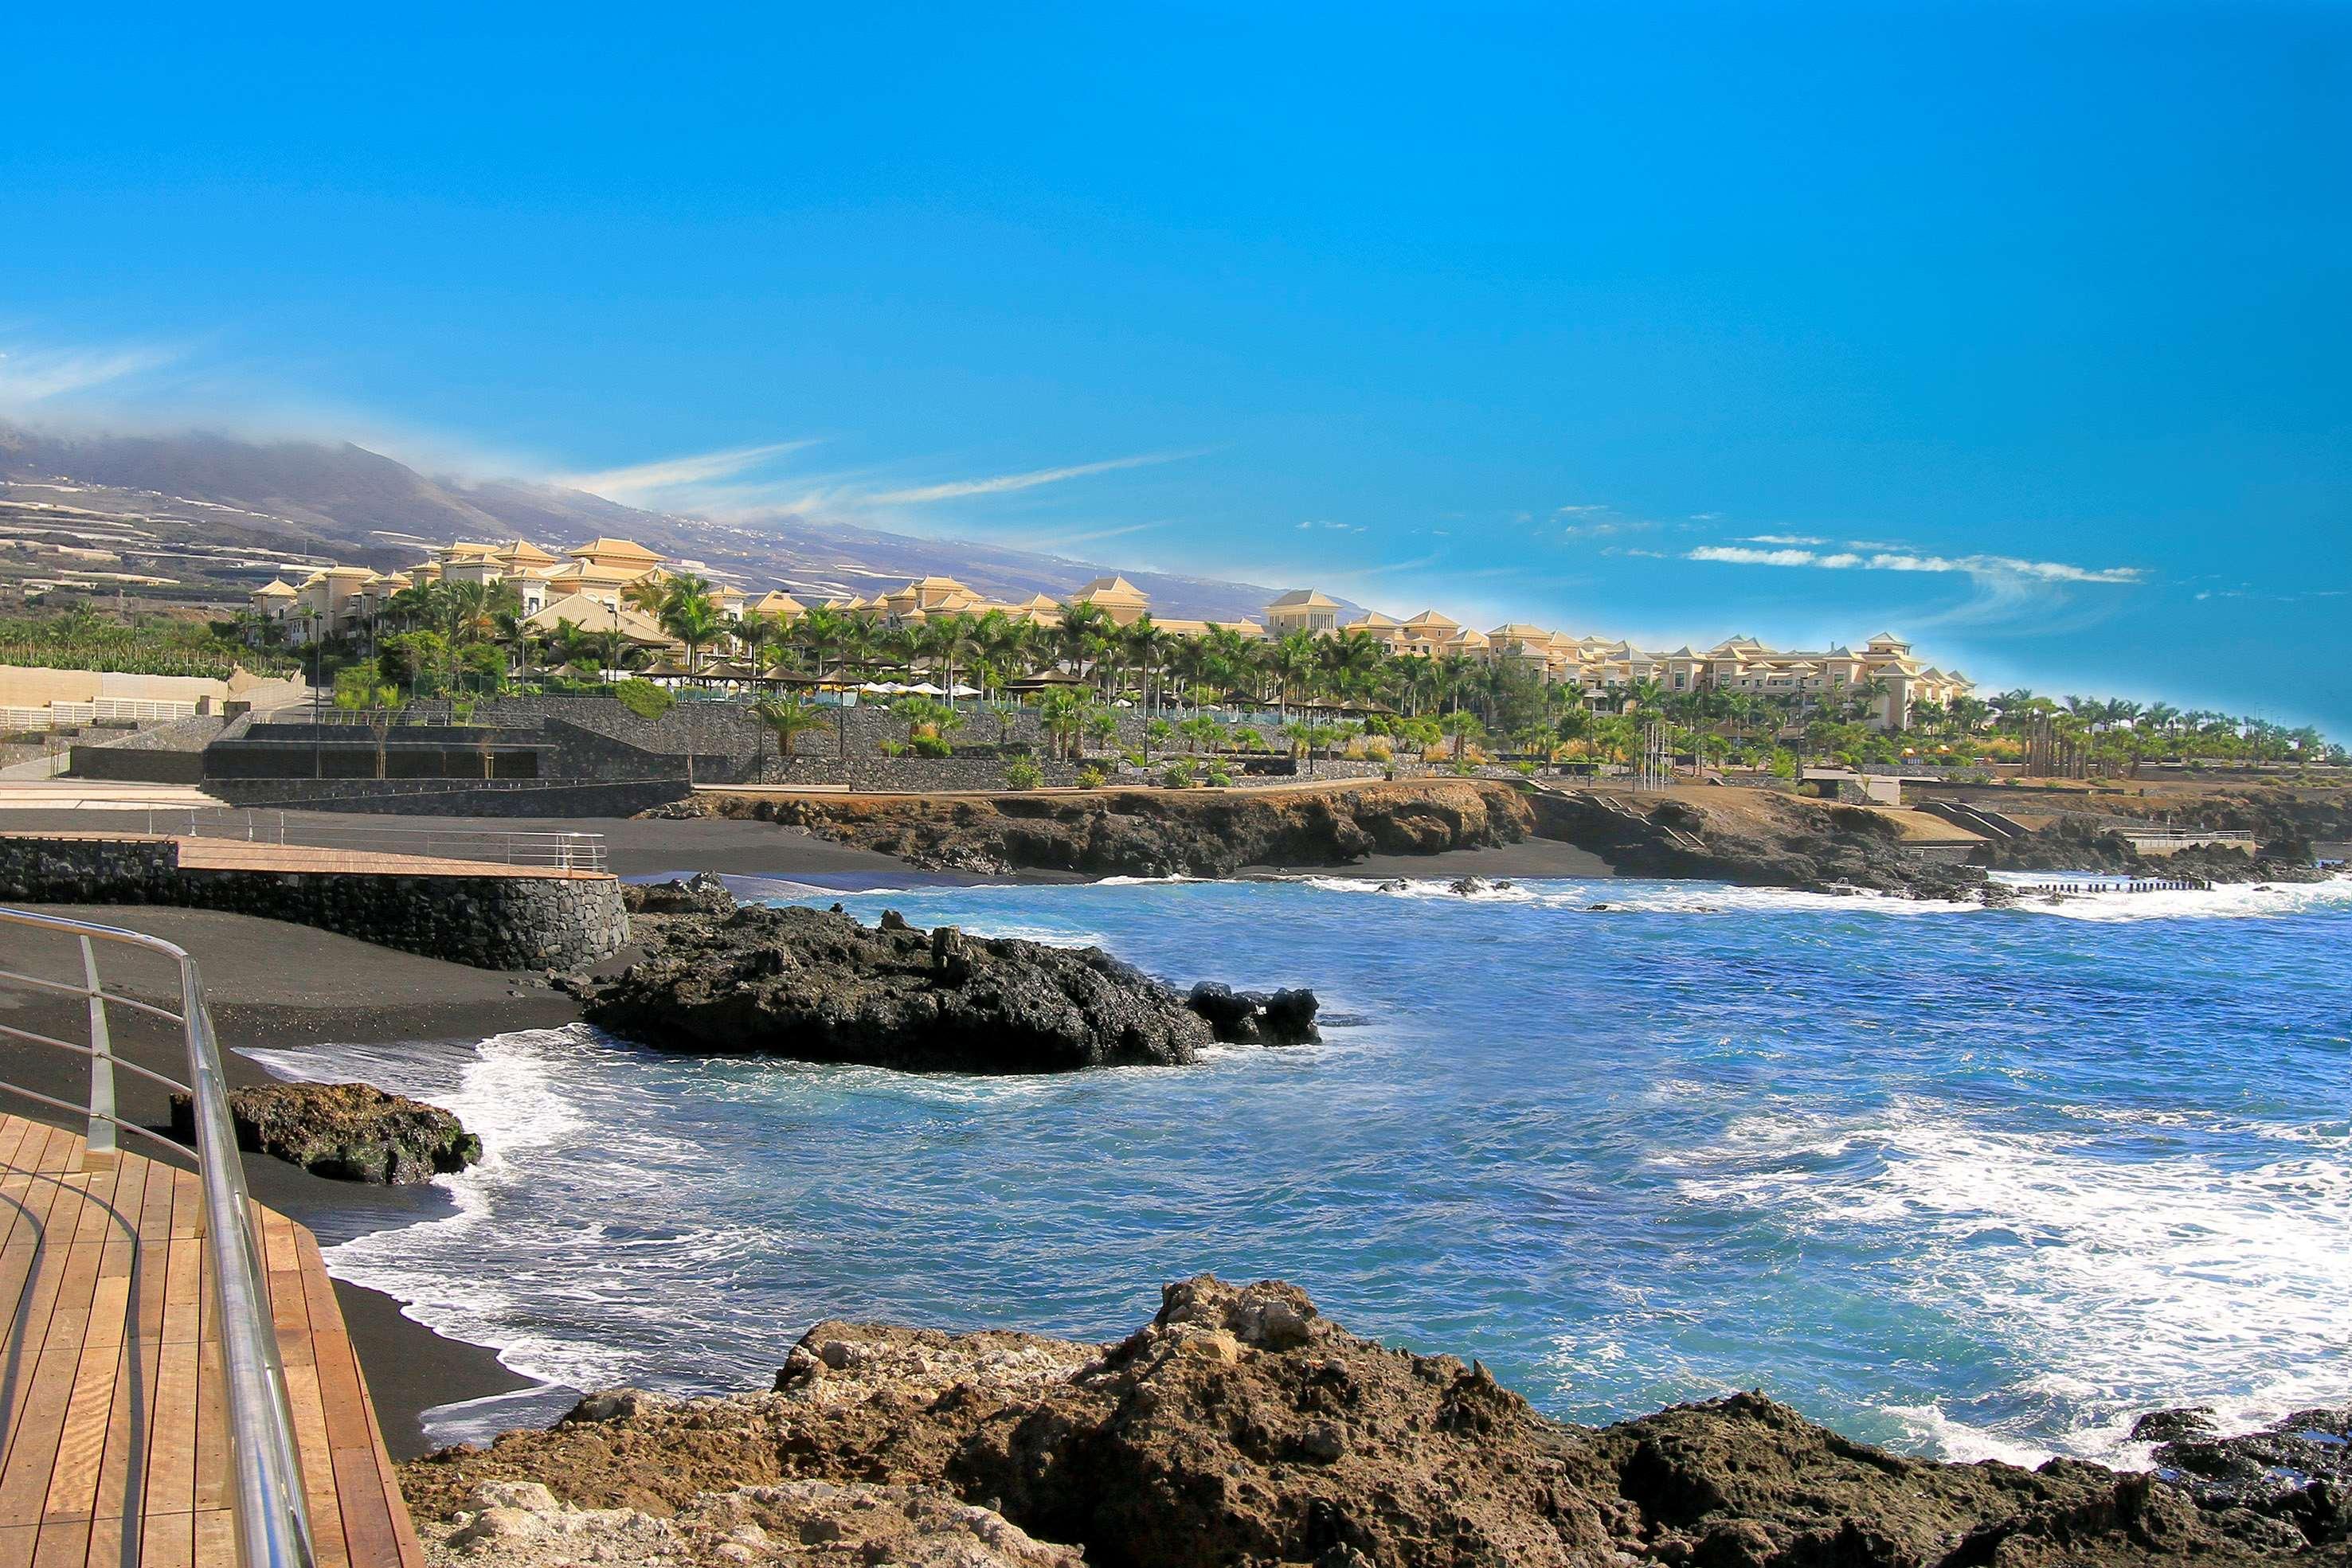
(81, 1445)
(117, 1436)
(36, 1421)
(63, 1544)
(122, 1492)
(168, 1541)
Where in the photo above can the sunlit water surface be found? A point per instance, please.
(1967, 1182)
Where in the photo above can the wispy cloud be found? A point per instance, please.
(999, 483)
(665, 474)
(1092, 536)
(1980, 566)
(1334, 526)
(1578, 512)
(30, 376)
(1784, 539)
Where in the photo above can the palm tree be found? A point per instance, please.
(688, 614)
(787, 718)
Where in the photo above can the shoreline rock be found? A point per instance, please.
(817, 986)
(346, 1132)
(1241, 1427)
(1154, 832)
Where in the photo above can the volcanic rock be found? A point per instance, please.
(819, 987)
(704, 893)
(350, 1131)
(1241, 1428)
(1254, 1017)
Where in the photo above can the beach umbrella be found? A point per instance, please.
(925, 689)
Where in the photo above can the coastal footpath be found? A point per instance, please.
(1240, 1428)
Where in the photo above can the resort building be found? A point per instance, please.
(1303, 610)
(590, 587)
(1607, 671)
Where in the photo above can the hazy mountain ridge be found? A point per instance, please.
(309, 498)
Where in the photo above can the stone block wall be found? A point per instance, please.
(454, 798)
(490, 922)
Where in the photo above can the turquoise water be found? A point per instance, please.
(1967, 1182)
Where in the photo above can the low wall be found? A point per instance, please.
(454, 798)
(491, 922)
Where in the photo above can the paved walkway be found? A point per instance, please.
(240, 854)
(113, 1436)
(99, 795)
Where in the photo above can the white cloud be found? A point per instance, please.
(671, 473)
(1062, 542)
(1576, 511)
(997, 484)
(29, 376)
(1980, 566)
(1784, 539)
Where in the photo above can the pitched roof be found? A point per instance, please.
(604, 549)
(273, 588)
(590, 615)
(1112, 587)
(1304, 599)
(1431, 620)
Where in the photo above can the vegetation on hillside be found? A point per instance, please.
(82, 638)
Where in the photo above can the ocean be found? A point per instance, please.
(1967, 1183)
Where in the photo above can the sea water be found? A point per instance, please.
(1971, 1183)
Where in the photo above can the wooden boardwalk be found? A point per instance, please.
(113, 1427)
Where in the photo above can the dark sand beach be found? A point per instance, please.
(287, 987)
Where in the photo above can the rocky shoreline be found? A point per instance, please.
(817, 986)
(1149, 833)
(1241, 1428)
(1752, 837)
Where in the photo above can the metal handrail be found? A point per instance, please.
(273, 1524)
(510, 846)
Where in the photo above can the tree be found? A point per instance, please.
(1061, 714)
(1460, 725)
(689, 615)
(788, 718)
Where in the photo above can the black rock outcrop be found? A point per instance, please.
(816, 985)
(350, 1131)
(1241, 1428)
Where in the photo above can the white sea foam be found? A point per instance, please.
(513, 1093)
(2121, 1283)
(2229, 901)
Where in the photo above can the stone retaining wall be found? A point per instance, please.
(492, 922)
(454, 798)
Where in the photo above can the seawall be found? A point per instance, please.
(525, 918)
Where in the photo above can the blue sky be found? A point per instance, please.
(2019, 330)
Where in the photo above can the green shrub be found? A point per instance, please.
(1377, 751)
(643, 699)
(1179, 776)
(1220, 779)
(1022, 774)
(1524, 769)
(931, 745)
(894, 749)
(1090, 776)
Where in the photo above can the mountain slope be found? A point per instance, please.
(237, 504)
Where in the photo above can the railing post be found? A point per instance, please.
(99, 1142)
